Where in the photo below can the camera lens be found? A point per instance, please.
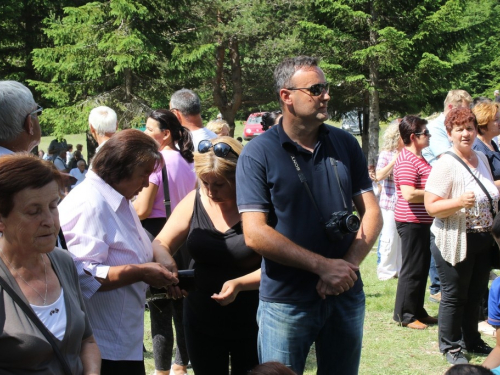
(352, 223)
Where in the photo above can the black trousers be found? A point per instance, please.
(210, 354)
(162, 312)
(416, 258)
(122, 367)
(462, 288)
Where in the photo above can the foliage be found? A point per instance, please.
(104, 53)
(391, 56)
(132, 54)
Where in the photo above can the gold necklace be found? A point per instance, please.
(18, 274)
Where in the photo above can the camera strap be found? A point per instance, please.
(333, 162)
(303, 179)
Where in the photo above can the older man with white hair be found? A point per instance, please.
(19, 125)
(103, 124)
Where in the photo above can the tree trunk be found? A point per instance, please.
(373, 127)
(374, 108)
(128, 85)
(228, 108)
(366, 122)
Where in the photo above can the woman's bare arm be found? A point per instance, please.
(90, 356)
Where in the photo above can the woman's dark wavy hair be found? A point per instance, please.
(181, 136)
(410, 125)
(23, 171)
(119, 157)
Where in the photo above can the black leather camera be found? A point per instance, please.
(340, 224)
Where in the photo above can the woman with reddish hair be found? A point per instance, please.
(42, 277)
(488, 121)
(462, 197)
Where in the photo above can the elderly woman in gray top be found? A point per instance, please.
(42, 276)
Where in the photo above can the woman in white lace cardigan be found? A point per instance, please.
(461, 241)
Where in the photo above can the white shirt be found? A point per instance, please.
(439, 142)
(80, 176)
(200, 135)
(102, 230)
(59, 163)
(53, 316)
(5, 151)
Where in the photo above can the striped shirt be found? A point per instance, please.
(102, 230)
(411, 171)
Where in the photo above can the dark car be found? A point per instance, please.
(350, 122)
(253, 127)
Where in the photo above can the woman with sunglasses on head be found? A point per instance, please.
(413, 224)
(176, 148)
(463, 198)
(219, 321)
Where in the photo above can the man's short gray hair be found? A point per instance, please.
(186, 101)
(16, 102)
(103, 119)
(286, 69)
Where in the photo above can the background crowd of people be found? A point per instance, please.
(181, 197)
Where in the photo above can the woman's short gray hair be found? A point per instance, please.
(16, 102)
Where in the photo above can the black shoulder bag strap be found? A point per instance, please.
(31, 314)
(477, 180)
(166, 192)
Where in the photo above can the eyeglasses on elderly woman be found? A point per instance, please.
(221, 149)
(37, 111)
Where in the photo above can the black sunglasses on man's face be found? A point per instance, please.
(314, 90)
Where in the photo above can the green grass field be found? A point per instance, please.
(387, 348)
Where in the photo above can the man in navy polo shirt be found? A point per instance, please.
(311, 290)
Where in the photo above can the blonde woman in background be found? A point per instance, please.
(219, 127)
(488, 121)
(389, 241)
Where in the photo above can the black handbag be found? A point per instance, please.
(34, 318)
(495, 251)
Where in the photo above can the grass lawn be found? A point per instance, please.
(387, 348)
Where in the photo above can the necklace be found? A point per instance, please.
(18, 274)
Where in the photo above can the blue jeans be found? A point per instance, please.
(435, 286)
(287, 331)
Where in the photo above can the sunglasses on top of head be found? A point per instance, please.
(221, 149)
(314, 90)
